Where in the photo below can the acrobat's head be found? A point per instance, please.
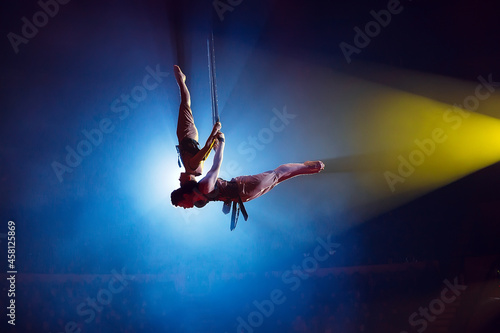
(183, 196)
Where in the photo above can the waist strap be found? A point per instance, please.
(237, 206)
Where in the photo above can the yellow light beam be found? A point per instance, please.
(415, 145)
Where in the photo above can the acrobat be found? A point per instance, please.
(190, 154)
(242, 188)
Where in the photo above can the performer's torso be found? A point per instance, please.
(188, 149)
(186, 158)
(224, 191)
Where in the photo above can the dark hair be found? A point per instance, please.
(178, 195)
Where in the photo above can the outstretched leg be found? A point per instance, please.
(287, 171)
(180, 77)
(251, 187)
(185, 124)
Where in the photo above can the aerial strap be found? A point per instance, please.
(237, 207)
(212, 76)
(213, 85)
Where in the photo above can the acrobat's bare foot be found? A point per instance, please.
(316, 165)
(179, 75)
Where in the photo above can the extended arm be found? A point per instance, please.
(207, 184)
(201, 155)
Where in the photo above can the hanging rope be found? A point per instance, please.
(236, 206)
(213, 80)
(213, 85)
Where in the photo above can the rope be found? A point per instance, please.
(213, 86)
(212, 76)
(237, 206)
